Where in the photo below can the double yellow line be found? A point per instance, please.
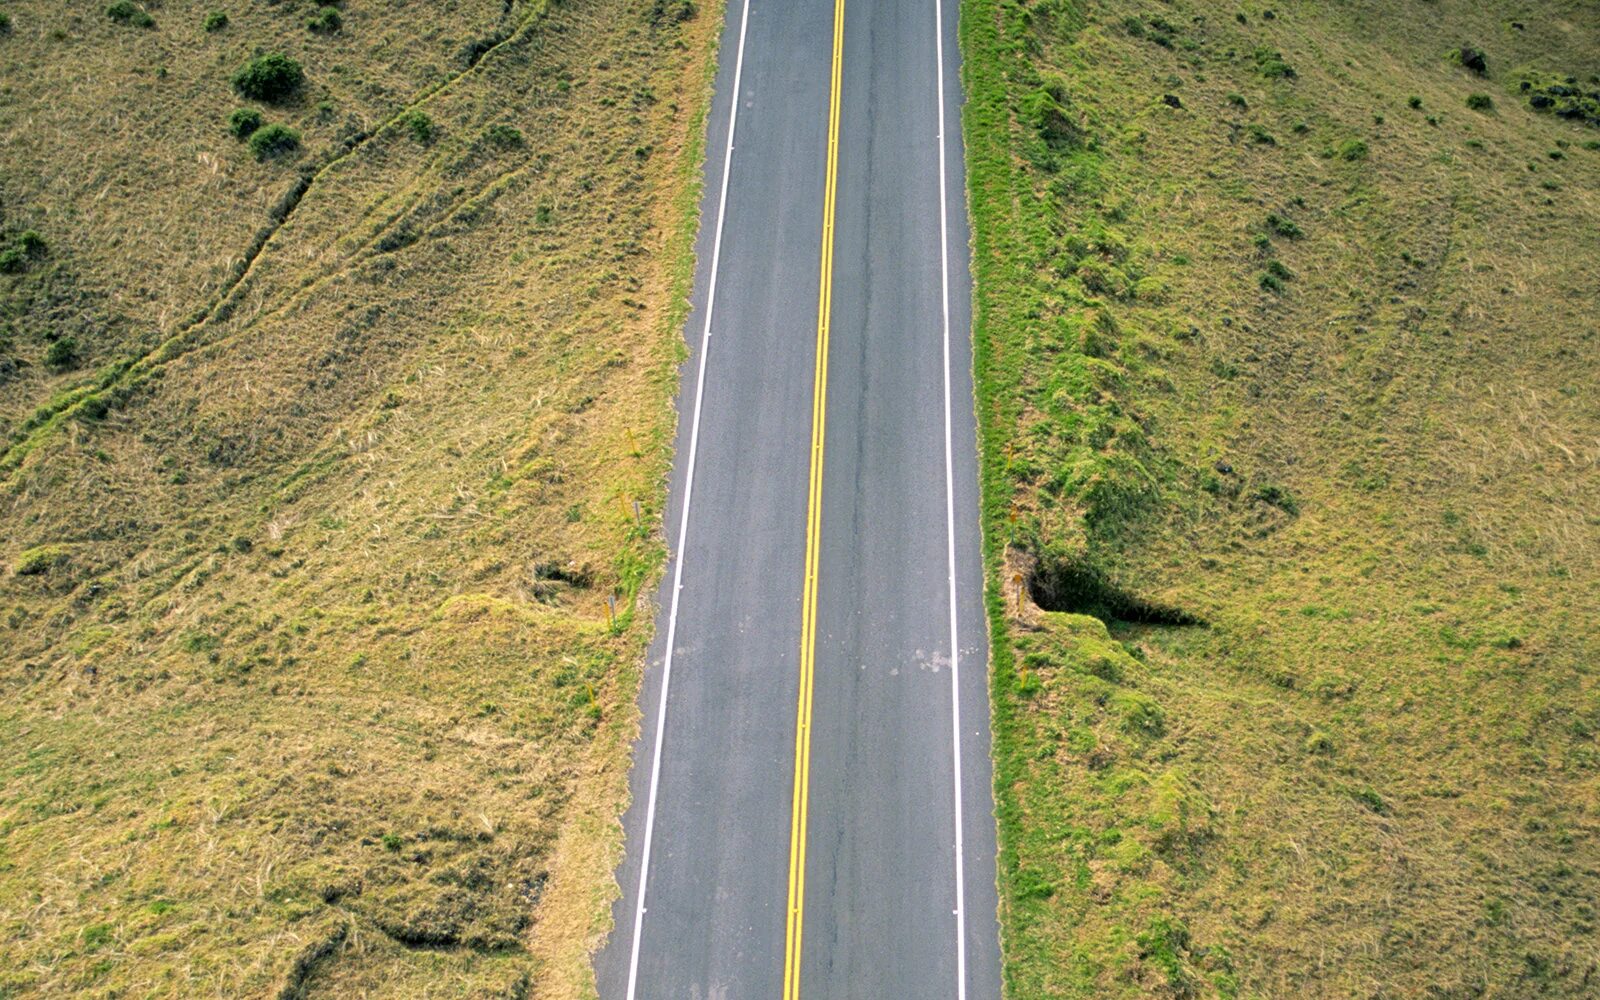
(808, 600)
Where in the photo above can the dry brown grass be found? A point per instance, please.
(326, 697)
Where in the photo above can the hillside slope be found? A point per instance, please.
(1287, 348)
(322, 534)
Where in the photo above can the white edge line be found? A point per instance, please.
(950, 522)
(683, 521)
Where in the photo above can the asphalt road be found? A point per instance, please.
(895, 896)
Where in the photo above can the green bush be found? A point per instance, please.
(272, 78)
(31, 243)
(5, 23)
(419, 125)
(215, 21)
(1284, 227)
(1261, 137)
(1238, 101)
(1352, 150)
(243, 122)
(326, 21)
(1414, 101)
(274, 140)
(504, 136)
(1480, 102)
(13, 261)
(40, 560)
(128, 12)
(1270, 64)
(62, 354)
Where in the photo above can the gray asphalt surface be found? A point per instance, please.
(881, 870)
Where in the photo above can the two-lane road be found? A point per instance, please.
(812, 811)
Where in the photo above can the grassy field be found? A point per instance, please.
(335, 414)
(1287, 345)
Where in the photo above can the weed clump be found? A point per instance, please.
(326, 21)
(271, 141)
(128, 12)
(243, 123)
(215, 22)
(272, 78)
(1480, 102)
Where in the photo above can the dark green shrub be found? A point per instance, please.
(274, 140)
(504, 136)
(1270, 64)
(1278, 497)
(419, 125)
(1261, 137)
(1284, 227)
(13, 261)
(1238, 101)
(1271, 283)
(1480, 102)
(32, 243)
(5, 23)
(1278, 270)
(272, 78)
(1414, 101)
(215, 21)
(243, 122)
(62, 354)
(326, 21)
(128, 12)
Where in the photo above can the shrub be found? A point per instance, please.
(1414, 101)
(1277, 496)
(274, 140)
(271, 78)
(5, 23)
(13, 261)
(1480, 102)
(1271, 283)
(504, 136)
(326, 21)
(419, 125)
(1279, 270)
(1261, 137)
(1238, 101)
(40, 560)
(1352, 150)
(215, 21)
(62, 354)
(1270, 64)
(128, 12)
(1284, 227)
(243, 122)
(31, 243)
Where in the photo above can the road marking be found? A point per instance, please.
(808, 601)
(683, 521)
(950, 521)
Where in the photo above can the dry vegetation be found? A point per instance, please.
(312, 683)
(1287, 347)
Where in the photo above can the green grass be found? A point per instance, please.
(1303, 424)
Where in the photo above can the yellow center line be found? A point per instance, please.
(808, 600)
